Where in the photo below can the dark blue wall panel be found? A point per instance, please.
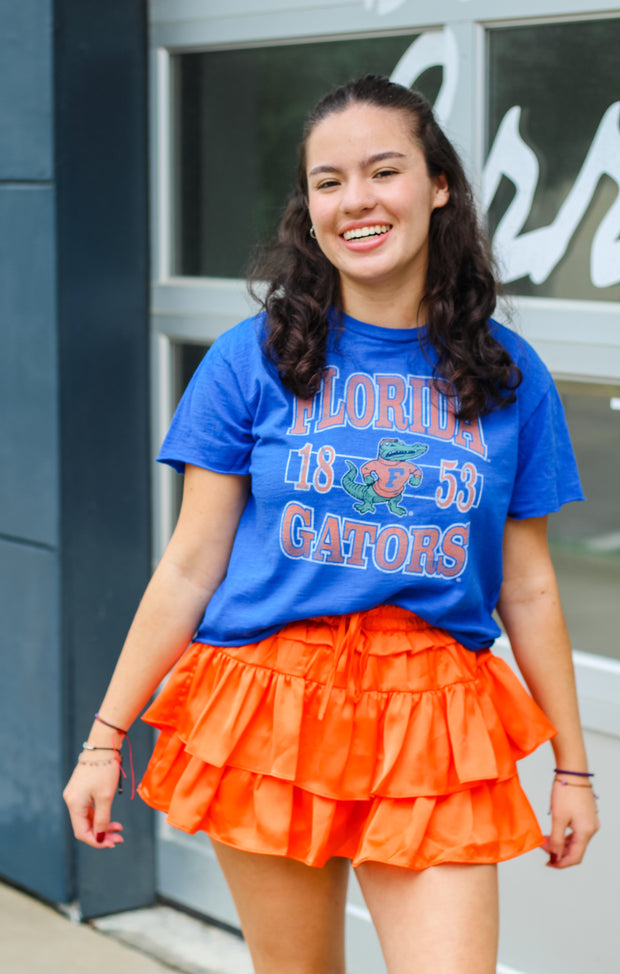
(28, 365)
(102, 283)
(34, 847)
(74, 435)
(26, 82)
(33, 850)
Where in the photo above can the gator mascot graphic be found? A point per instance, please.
(385, 477)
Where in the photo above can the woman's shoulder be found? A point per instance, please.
(244, 339)
(237, 355)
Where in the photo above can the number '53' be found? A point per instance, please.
(457, 486)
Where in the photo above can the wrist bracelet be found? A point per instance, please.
(93, 747)
(119, 730)
(576, 784)
(580, 774)
(118, 759)
(94, 764)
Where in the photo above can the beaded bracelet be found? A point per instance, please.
(92, 747)
(572, 784)
(575, 784)
(96, 764)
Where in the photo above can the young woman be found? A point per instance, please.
(368, 469)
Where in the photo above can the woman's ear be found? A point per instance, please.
(441, 191)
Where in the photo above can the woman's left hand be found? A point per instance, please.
(574, 820)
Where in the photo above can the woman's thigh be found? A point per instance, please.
(292, 915)
(442, 920)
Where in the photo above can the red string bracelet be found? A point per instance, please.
(119, 730)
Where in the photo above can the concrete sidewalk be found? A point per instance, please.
(36, 939)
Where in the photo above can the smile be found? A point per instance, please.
(359, 232)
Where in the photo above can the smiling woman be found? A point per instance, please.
(431, 265)
(235, 175)
(370, 199)
(368, 467)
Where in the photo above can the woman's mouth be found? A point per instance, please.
(362, 233)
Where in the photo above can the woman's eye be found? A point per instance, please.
(327, 184)
(385, 172)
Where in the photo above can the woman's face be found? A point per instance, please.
(370, 199)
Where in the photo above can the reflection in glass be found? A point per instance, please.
(564, 78)
(585, 538)
(239, 116)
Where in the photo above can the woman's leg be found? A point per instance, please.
(442, 920)
(292, 915)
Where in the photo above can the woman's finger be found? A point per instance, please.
(574, 822)
(89, 796)
(111, 837)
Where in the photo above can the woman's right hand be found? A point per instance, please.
(89, 795)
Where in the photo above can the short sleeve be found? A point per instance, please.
(547, 475)
(212, 426)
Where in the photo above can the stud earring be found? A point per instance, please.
(313, 233)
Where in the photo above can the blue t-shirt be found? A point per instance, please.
(371, 493)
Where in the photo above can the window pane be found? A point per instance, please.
(556, 160)
(585, 538)
(239, 116)
(189, 355)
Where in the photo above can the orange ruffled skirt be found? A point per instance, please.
(371, 736)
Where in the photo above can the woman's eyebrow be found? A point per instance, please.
(371, 160)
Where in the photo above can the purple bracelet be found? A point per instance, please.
(122, 775)
(580, 774)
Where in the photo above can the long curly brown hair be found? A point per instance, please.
(461, 283)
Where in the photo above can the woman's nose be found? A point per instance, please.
(358, 196)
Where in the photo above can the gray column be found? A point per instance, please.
(74, 442)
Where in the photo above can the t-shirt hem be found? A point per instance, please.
(179, 465)
(252, 638)
(541, 511)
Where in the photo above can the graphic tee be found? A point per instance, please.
(372, 492)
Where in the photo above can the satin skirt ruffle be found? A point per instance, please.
(371, 736)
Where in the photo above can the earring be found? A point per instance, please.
(313, 233)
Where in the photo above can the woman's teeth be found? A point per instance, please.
(365, 231)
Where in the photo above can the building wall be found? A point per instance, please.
(29, 441)
(74, 441)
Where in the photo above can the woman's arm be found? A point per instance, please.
(191, 569)
(529, 607)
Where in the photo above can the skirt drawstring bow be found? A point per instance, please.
(350, 632)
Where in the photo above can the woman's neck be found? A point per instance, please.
(388, 310)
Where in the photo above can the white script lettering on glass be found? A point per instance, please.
(427, 51)
(535, 253)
